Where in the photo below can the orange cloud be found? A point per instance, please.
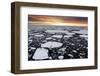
(58, 20)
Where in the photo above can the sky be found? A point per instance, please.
(58, 20)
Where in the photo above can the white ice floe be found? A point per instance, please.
(61, 57)
(31, 34)
(51, 44)
(57, 31)
(70, 55)
(57, 36)
(70, 34)
(41, 53)
(50, 57)
(40, 35)
(82, 53)
(48, 38)
(67, 36)
(74, 51)
(62, 49)
(85, 36)
(81, 32)
(33, 48)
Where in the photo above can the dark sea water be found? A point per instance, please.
(74, 40)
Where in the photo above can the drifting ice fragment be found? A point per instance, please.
(41, 53)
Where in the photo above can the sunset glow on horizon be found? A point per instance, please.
(58, 20)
